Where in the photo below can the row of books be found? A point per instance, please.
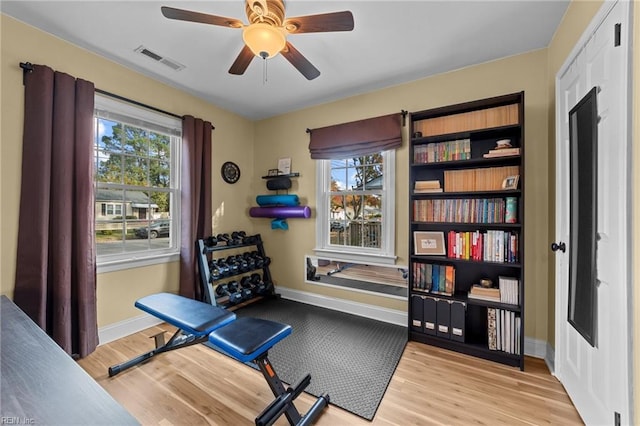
(461, 210)
(509, 290)
(438, 279)
(503, 330)
(465, 121)
(442, 151)
(487, 246)
(484, 179)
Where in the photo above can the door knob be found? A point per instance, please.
(562, 247)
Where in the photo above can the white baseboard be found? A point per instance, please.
(550, 359)
(356, 308)
(125, 328)
(535, 348)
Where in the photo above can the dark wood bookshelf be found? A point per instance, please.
(468, 334)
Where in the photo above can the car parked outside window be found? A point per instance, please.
(158, 228)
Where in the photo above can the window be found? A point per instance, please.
(137, 192)
(356, 215)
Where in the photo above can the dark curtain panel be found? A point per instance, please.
(195, 199)
(356, 138)
(56, 269)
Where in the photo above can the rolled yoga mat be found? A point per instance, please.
(274, 200)
(281, 212)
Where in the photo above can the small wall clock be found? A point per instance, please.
(230, 172)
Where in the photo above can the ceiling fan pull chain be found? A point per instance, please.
(264, 69)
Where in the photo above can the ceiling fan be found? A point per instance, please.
(265, 36)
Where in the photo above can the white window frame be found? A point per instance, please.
(138, 116)
(385, 255)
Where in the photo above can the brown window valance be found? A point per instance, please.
(356, 138)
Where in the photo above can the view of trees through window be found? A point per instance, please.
(356, 201)
(132, 172)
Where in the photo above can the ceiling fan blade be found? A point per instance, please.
(241, 63)
(326, 22)
(203, 18)
(301, 63)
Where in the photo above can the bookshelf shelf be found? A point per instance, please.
(462, 226)
(438, 259)
(450, 156)
(471, 162)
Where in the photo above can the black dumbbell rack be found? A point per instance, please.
(211, 279)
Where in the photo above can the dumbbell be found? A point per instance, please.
(243, 265)
(210, 241)
(223, 267)
(235, 293)
(246, 288)
(238, 237)
(258, 259)
(224, 290)
(258, 284)
(246, 283)
(251, 261)
(223, 238)
(233, 265)
(250, 239)
(214, 271)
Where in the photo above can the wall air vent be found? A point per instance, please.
(176, 66)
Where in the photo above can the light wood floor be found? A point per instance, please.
(196, 385)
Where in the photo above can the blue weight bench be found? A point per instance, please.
(245, 339)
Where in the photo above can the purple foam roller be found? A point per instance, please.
(281, 212)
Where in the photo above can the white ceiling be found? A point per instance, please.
(393, 42)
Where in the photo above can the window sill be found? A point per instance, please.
(372, 259)
(136, 262)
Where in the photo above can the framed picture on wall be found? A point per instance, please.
(429, 243)
(284, 166)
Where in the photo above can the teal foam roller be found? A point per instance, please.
(278, 200)
(281, 212)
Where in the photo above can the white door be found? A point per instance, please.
(597, 377)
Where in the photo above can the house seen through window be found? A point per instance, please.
(356, 200)
(136, 186)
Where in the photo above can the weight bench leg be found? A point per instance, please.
(285, 397)
(180, 339)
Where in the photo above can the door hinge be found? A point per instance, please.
(616, 34)
(616, 418)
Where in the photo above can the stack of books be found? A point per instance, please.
(502, 152)
(483, 293)
(425, 186)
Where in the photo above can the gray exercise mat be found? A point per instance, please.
(349, 357)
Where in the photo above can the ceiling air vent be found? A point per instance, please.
(176, 66)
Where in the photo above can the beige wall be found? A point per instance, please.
(232, 140)
(285, 136)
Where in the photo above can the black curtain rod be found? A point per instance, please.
(404, 116)
(140, 104)
(28, 67)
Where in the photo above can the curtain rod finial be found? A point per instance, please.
(26, 68)
(308, 130)
(404, 116)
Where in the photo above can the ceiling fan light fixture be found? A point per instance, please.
(264, 40)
